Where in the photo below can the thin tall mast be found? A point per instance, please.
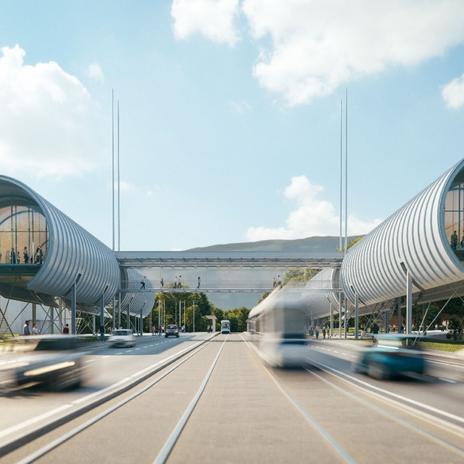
(346, 170)
(119, 193)
(341, 177)
(112, 162)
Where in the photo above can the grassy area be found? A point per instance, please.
(444, 346)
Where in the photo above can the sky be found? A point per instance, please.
(230, 112)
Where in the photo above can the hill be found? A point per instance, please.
(309, 244)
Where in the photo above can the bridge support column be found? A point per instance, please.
(34, 313)
(73, 309)
(119, 309)
(141, 322)
(94, 325)
(345, 320)
(408, 303)
(356, 316)
(331, 321)
(385, 321)
(339, 315)
(102, 317)
(52, 319)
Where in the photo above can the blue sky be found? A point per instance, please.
(229, 112)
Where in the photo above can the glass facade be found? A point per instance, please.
(23, 235)
(454, 218)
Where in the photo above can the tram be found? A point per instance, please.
(277, 328)
(225, 326)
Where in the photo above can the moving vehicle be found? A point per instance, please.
(392, 356)
(277, 327)
(171, 330)
(122, 338)
(225, 326)
(53, 361)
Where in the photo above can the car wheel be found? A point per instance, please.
(377, 371)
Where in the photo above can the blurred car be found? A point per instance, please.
(54, 361)
(392, 356)
(122, 338)
(171, 330)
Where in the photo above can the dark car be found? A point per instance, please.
(171, 331)
(391, 356)
(53, 361)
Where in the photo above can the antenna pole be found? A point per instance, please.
(341, 177)
(346, 170)
(119, 193)
(112, 161)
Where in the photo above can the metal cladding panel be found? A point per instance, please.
(318, 303)
(71, 251)
(413, 235)
(136, 301)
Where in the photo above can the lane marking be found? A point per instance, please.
(68, 435)
(355, 382)
(34, 420)
(341, 451)
(392, 417)
(168, 446)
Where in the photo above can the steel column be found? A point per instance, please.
(408, 303)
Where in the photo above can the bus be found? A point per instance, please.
(225, 326)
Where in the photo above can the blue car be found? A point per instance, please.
(391, 356)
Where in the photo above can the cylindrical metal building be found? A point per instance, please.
(424, 237)
(52, 250)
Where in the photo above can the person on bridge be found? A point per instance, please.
(66, 329)
(162, 282)
(26, 328)
(198, 282)
(12, 256)
(25, 255)
(323, 333)
(35, 330)
(142, 285)
(454, 240)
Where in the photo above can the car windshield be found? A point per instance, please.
(172, 326)
(122, 332)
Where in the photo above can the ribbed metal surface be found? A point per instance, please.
(136, 301)
(318, 303)
(71, 251)
(414, 235)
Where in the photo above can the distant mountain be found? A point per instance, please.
(310, 244)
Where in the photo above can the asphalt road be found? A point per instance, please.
(107, 367)
(222, 404)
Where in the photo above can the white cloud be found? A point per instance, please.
(453, 93)
(214, 19)
(240, 106)
(312, 216)
(311, 47)
(95, 72)
(47, 123)
(136, 189)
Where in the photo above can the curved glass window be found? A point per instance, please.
(23, 235)
(454, 217)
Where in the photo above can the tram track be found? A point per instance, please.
(163, 367)
(338, 449)
(438, 432)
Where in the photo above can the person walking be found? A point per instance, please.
(162, 282)
(26, 328)
(454, 240)
(198, 282)
(12, 256)
(66, 329)
(35, 330)
(323, 333)
(25, 255)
